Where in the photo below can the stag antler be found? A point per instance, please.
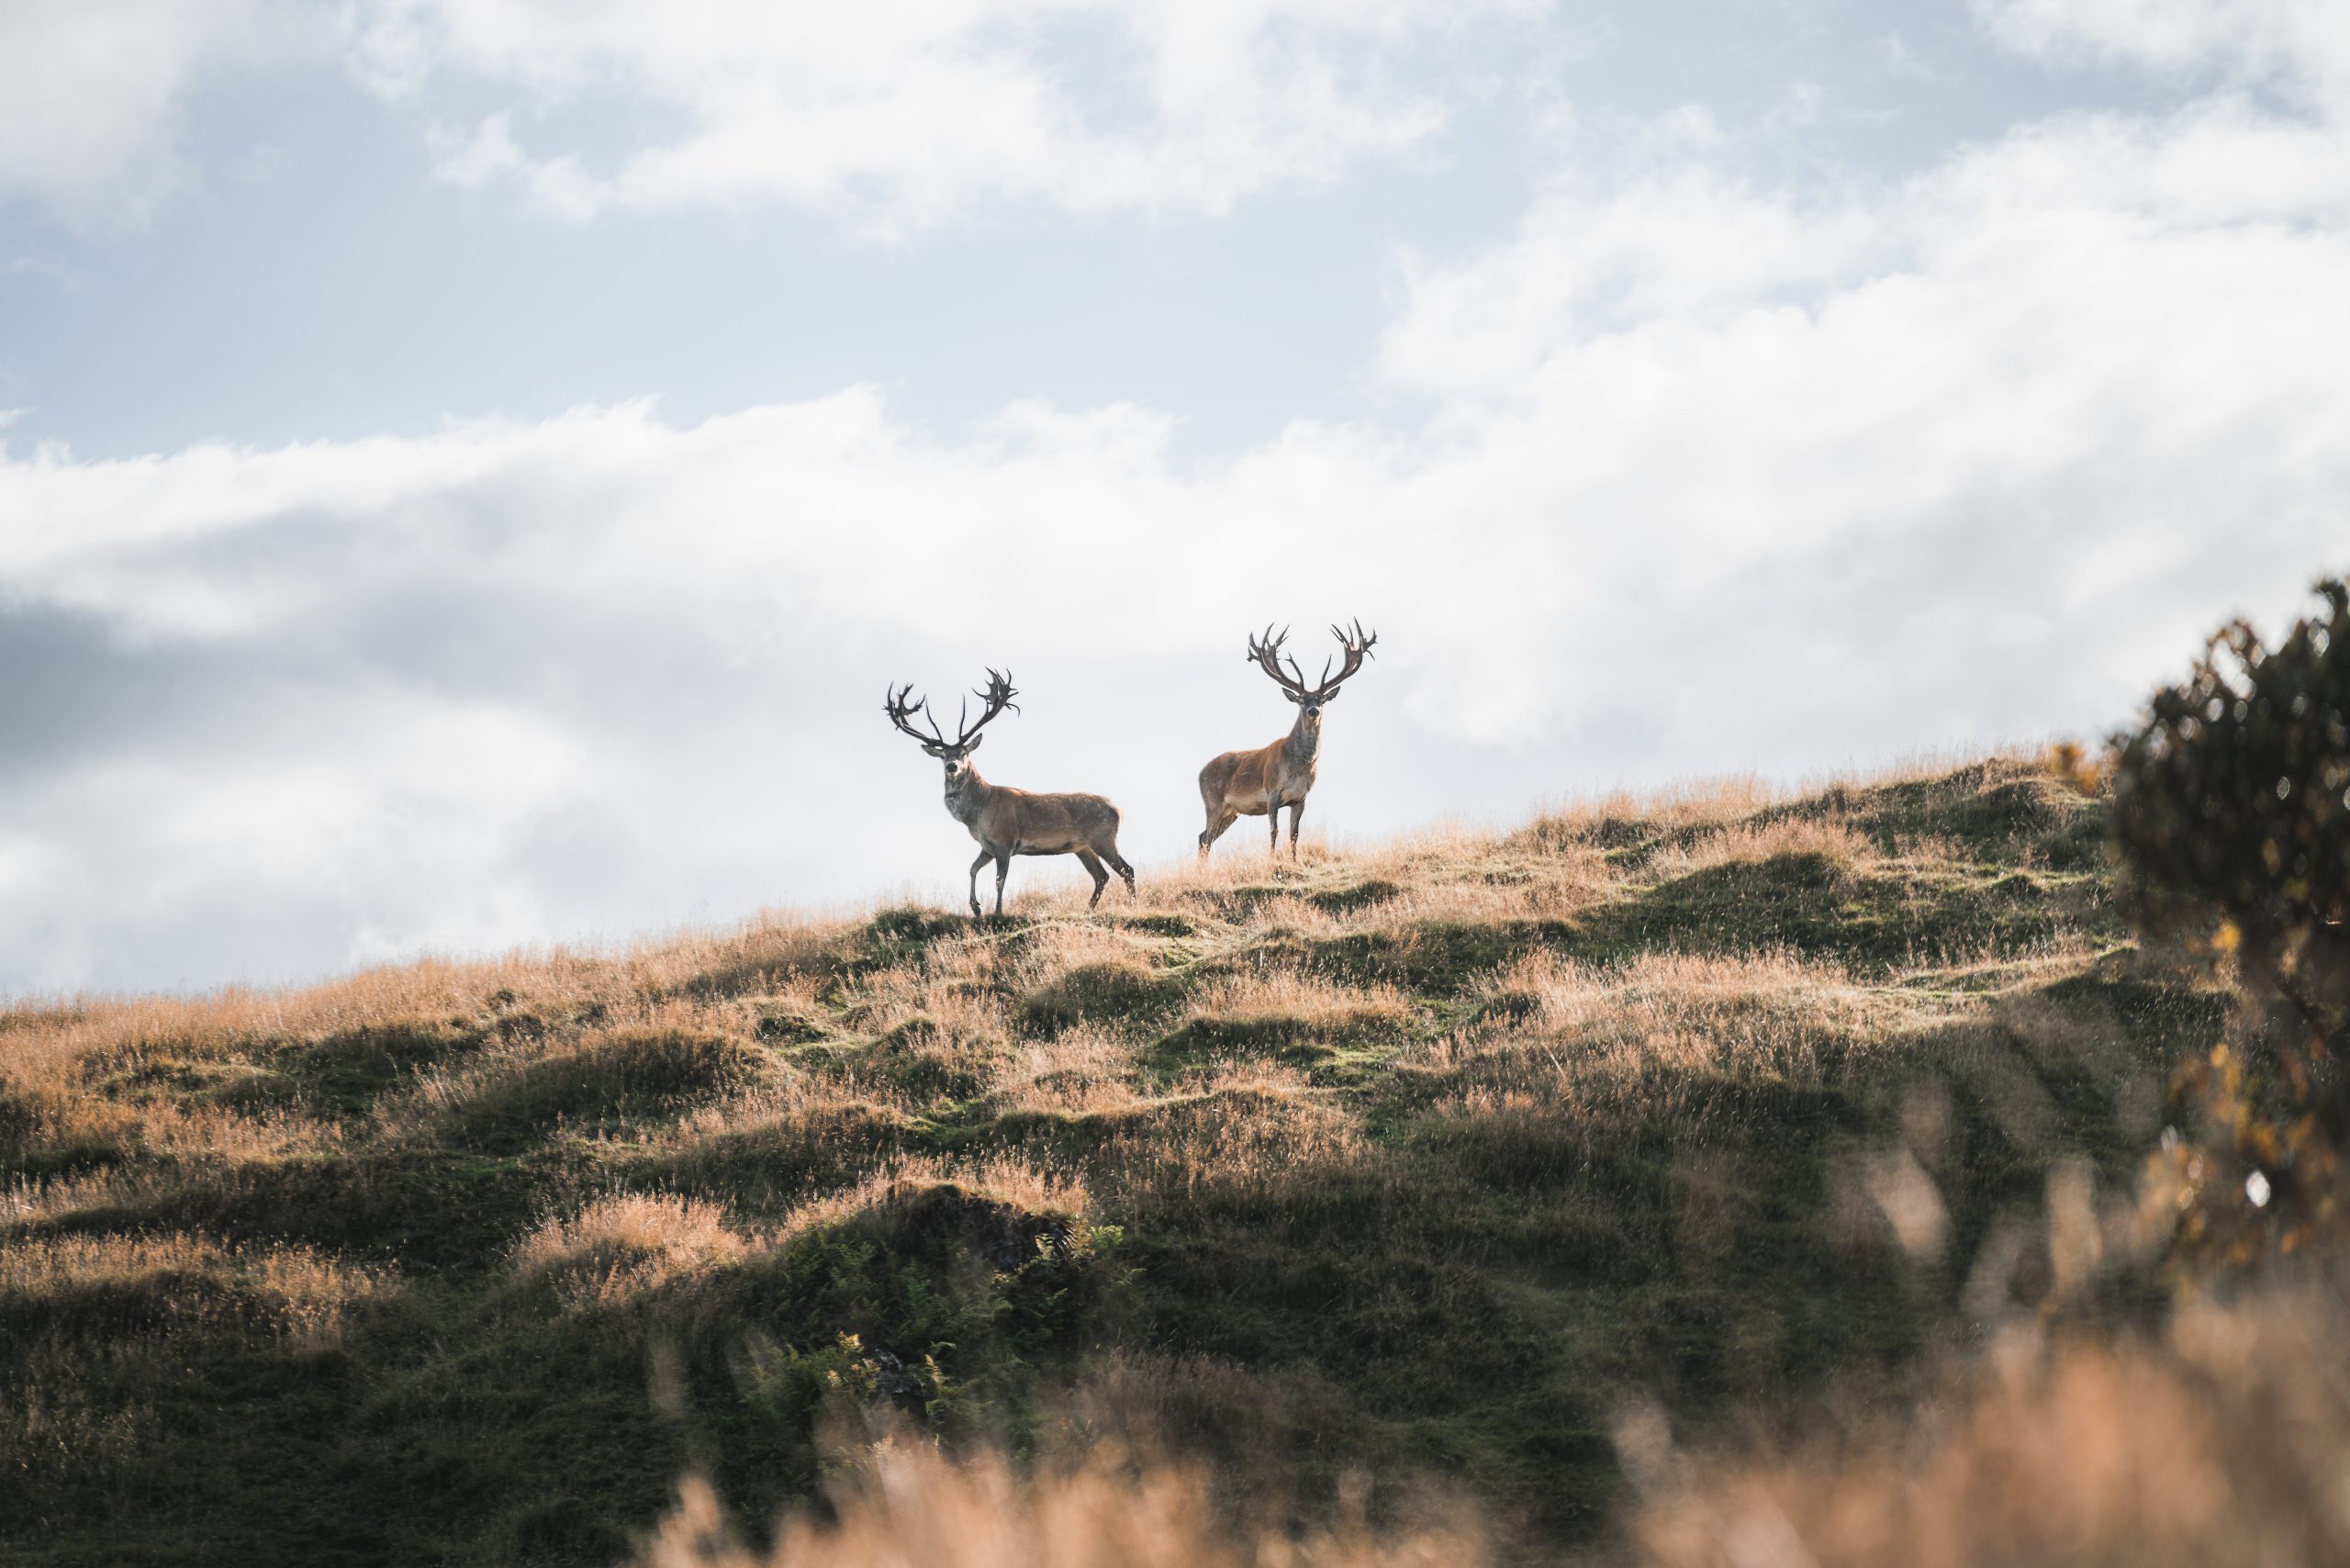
(995, 699)
(901, 709)
(1266, 655)
(1266, 652)
(997, 696)
(1358, 645)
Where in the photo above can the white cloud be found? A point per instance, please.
(893, 117)
(2302, 46)
(1715, 478)
(92, 91)
(2066, 374)
(900, 116)
(1690, 247)
(1712, 475)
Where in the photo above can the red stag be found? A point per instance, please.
(1009, 822)
(1261, 782)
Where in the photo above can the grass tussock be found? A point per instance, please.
(625, 1244)
(905, 1503)
(1246, 1134)
(2218, 1443)
(1818, 846)
(911, 1192)
(1283, 1017)
(1412, 1164)
(120, 1287)
(504, 1100)
(1088, 1071)
(1623, 821)
(1769, 1014)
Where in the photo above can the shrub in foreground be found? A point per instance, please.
(2231, 816)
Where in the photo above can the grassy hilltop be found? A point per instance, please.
(1424, 1164)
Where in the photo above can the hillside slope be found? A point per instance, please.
(1422, 1164)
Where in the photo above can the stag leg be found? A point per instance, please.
(1092, 864)
(1002, 869)
(1296, 815)
(1217, 823)
(1273, 820)
(985, 855)
(1118, 864)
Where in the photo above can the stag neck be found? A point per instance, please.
(968, 799)
(1304, 738)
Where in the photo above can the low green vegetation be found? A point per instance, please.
(1424, 1164)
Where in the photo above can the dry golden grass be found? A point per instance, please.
(1698, 804)
(1246, 1133)
(906, 1190)
(95, 1034)
(762, 1147)
(1419, 1180)
(675, 1055)
(1771, 1014)
(1830, 842)
(2220, 1445)
(770, 952)
(67, 1126)
(1185, 883)
(1083, 1071)
(1451, 873)
(905, 1505)
(624, 1247)
(1679, 811)
(1307, 1005)
(665, 1044)
(164, 1283)
(1555, 890)
(1052, 951)
(960, 1017)
(626, 1244)
(940, 1012)
(57, 1052)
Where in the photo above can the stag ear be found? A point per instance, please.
(1330, 695)
(1292, 696)
(973, 744)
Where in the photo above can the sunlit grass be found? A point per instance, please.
(1413, 1163)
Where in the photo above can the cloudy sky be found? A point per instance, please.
(472, 466)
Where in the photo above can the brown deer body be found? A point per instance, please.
(1261, 782)
(1009, 822)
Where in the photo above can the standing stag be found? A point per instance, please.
(1009, 822)
(1261, 782)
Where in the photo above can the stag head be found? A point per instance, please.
(901, 706)
(1266, 654)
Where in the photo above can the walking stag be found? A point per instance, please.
(1261, 782)
(1009, 822)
